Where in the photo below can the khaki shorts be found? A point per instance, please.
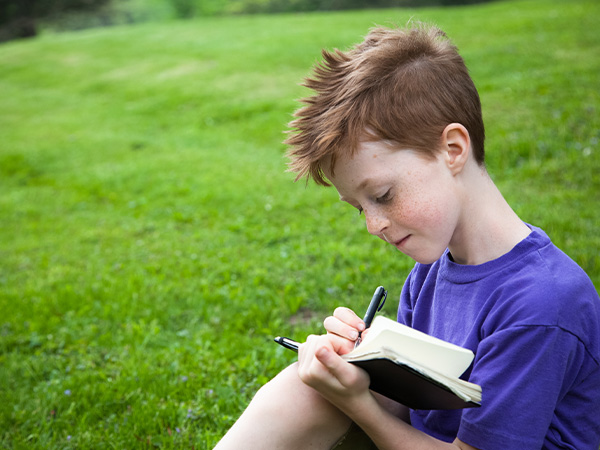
(354, 439)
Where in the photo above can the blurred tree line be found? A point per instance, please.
(278, 6)
(23, 18)
(20, 18)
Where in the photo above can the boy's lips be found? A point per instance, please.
(400, 243)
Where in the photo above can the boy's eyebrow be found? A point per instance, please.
(364, 183)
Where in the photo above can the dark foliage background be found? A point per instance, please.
(19, 18)
(25, 18)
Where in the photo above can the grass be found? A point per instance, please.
(152, 243)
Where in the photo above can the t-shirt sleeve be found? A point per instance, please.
(405, 306)
(523, 371)
(408, 297)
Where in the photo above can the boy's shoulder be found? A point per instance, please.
(535, 284)
(534, 263)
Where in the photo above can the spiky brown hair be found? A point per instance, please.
(400, 85)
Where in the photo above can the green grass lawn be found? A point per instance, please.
(152, 243)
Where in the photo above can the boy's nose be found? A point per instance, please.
(376, 223)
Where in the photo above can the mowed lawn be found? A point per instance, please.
(152, 243)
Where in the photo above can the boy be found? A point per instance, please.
(395, 125)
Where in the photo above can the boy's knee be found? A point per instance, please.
(286, 395)
(288, 390)
(286, 413)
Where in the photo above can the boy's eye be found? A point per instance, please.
(385, 197)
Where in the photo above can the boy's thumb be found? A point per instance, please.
(328, 358)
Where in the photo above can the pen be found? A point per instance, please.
(287, 343)
(377, 302)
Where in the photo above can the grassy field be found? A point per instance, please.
(152, 243)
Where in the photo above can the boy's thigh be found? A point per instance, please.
(354, 439)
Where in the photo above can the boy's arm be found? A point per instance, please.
(347, 387)
(393, 407)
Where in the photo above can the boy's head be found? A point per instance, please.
(401, 86)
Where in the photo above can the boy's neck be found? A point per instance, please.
(489, 228)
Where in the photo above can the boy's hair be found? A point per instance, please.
(401, 86)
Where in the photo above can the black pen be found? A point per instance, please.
(287, 343)
(376, 304)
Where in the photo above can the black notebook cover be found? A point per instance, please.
(409, 387)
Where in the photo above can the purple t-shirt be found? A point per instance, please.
(532, 318)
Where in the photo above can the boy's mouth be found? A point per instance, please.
(401, 242)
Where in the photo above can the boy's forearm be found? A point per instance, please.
(347, 388)
(393, 407)
(390, 432)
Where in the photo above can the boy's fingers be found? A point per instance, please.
(325, 348)
(326, 357)
(321, 367)
(335, 326)
(344, 323)
(348, 316)
(346, 374)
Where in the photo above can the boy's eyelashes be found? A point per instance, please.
(385, 197)
(382, 199)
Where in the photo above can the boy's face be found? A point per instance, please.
(408, 201)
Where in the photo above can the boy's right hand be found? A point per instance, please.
(345, 324)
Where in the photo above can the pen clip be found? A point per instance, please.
(382, 301)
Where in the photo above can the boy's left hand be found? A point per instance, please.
(321, 367)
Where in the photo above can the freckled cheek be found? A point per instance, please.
(419, 212)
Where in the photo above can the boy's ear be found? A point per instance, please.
(456, 147)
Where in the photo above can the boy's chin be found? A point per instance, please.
(424, 259)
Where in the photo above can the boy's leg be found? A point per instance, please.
(355, 439)
(286, 414)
